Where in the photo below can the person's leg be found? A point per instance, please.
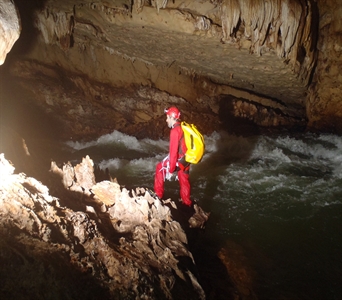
(183, 178)
(159, 180)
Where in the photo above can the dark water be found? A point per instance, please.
(275, 198)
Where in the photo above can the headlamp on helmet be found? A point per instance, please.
(173, 112)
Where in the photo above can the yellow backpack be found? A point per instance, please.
(194, 141)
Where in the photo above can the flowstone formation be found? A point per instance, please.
(119, 243)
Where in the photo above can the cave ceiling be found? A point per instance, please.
(264, 49)
(206, 38)
(207, 57)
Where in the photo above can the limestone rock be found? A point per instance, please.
(106, 192)
(324, 97)
(199, 218)
(10, 27)
(140, 245)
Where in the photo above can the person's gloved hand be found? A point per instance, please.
(168, 175)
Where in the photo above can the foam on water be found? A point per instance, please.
(272, 176)
(115, 137)
(254, 171)
(146, 165)
(270, 173)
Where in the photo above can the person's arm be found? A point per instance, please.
(173, 149)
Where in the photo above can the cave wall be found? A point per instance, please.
(324, 101)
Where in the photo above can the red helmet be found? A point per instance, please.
(173, 112)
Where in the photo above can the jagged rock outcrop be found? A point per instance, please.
(125, 240)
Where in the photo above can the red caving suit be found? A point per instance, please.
(177, 149)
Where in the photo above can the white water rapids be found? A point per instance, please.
(277, 196)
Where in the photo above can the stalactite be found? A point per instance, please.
(282, 25)
(158, 4)
(230, 14)
(55, 26)
(271, 9)
(291, 13)
(308, 39)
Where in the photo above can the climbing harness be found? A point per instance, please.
(165, 169)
